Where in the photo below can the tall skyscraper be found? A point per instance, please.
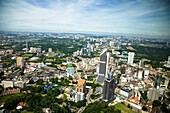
(130, 58)
(20, 61)
(158, 81)
(108, 89)
(103, 66)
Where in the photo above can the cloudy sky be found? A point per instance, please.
(112, 16)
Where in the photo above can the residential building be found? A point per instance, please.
(20, 84)
(130, 58)
(11, 91)
(140, 74)
(80, 90)
(79, 96)
(168, 62)
(8, 83)
(20, 61)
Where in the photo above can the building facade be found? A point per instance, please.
(130, 58)
(20, 61)
(103, 66)
(108, 89)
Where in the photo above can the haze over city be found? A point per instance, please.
(103, 16)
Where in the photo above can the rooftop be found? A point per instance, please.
(81, 82)
(135, 99)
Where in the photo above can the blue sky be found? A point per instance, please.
(105, 16)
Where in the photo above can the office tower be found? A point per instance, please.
(20, 62)
(103, 66)
(130, 58)
(108, 88)
(153, 94)
(158, 81)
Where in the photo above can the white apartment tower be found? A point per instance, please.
(130, 58)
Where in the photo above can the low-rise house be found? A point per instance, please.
(11, 91)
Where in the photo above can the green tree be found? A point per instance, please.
(100, 107)
(54, 80)
(81, 103)
(11, 103)
(156, 103)
(31, 82)
(164, 108)
(144, 108)
(39, 82)
(57, 91)
(1, 89)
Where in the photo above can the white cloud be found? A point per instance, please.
(81, 15)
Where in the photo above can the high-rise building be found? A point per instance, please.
(103, 66)
(108, 89)
(20, 61)
(130, 58)
(79, 96)
(80, 90)
(146, 74)
(158, 81)
(153, 94)
(140, 74)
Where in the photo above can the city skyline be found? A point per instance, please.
(108, 16)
